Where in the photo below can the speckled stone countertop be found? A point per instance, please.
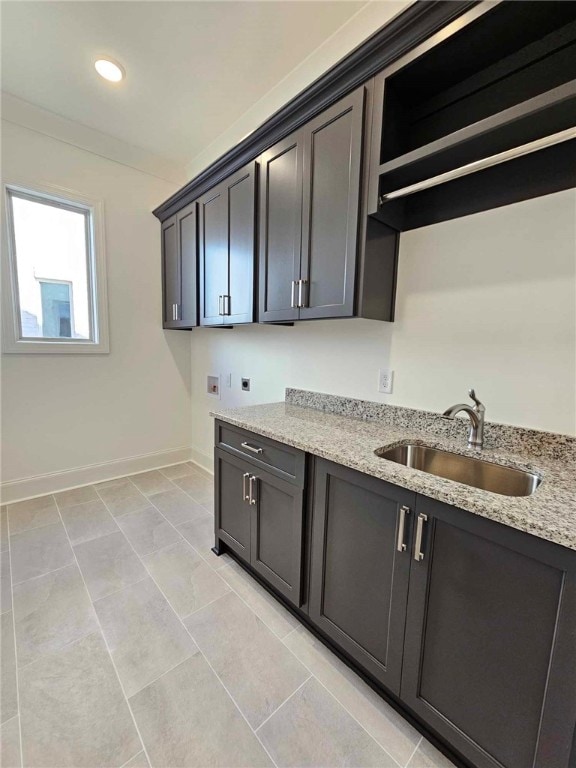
(315, 423)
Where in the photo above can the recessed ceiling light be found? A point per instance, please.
(109, 70)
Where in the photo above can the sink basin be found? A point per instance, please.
(463, 469)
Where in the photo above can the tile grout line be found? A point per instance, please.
(286, 700)
(103, 636)
(196, 644)
(420, 740)
(40, 575)
(15, 644)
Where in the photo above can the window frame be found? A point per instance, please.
(12, 341)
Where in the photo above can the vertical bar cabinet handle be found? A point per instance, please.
(293, 296)
(245, 495)
(400, 543)
(301, 286)
(253, 486)
(418, 554)
(220, 305)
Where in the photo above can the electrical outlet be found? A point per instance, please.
(246, 385)
(385, 380)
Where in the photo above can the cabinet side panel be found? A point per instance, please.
(188, 262)
(241, 246)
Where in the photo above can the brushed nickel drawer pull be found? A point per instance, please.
(418, 554)
(251, 448)
(400, 543)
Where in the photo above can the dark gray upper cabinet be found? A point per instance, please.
(179, 270)
(319, 257)
(226, 250)
(489, 658)
(360, 567)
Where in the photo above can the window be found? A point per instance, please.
(57, 302)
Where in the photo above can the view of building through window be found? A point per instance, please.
(53, 262)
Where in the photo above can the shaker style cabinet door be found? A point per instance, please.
(489, 660)
(360, 567)
(332, 167)
(280, 229)
(179, 269)
(232, 507)
(213, 255)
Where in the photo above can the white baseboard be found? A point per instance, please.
(202, 460)
(54, 482)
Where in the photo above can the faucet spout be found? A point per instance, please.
(476, 416)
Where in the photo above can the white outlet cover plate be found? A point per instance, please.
(385, 380)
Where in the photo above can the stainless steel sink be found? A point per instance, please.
(463, 469)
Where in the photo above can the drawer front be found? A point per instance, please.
(282, 460)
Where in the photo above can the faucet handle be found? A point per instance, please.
(479, 405)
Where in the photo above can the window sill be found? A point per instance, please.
(55, 348)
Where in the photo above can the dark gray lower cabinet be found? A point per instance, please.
(490, 651)
(260, 517)
(359, 573)
(469, 623)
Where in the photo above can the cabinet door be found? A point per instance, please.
(332, 165)
(277, 524)
(170, 273)
(359, 573)
(280, 228)
(232, 508)
(241, 191)
(489, 661)
(213, 254)
(188, 256)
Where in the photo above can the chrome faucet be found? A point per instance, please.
(476, 416)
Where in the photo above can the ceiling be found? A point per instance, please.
(193, 68)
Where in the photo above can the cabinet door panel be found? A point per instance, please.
(188, 251)
(213, 254)
(241, 221)
(480, 636)
(170, 272)
(277, 525)
(359, 579)
(232, 509)
(332, 165)
(280, 228)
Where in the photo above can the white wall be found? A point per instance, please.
(485, 301)
(61, 412)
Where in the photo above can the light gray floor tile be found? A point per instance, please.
(177, 507)
(382, 722)
(184, 577)
(151, 482)
(51, 612)
(138, 761)
(216, 561)
(254, 665)
(144, 636)
(88, 520)
(201, 471)
(427, 756)
(122, 497)
(5, 583)
(32, 514)
(108, 564)
(8, 690)
(73, 712)
(187, 719)
(3, 529)
(38, 551)
(200, 533)
(200, 488)
(267, 608)
(177, 470)
(148, 530)
(10, 744)
(76, 496)
(312, 729)
(105, 484)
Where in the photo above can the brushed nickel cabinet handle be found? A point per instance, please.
(301, 301)
(220, 302)
(400, 543)
(226, 304)
(418, 554)
(253, 483)
(251, 448)
(245, 476)
(293, 297)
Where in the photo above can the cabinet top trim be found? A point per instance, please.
(410, 28)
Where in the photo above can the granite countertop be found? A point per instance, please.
(550, 513)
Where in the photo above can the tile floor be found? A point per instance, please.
(127, 642)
